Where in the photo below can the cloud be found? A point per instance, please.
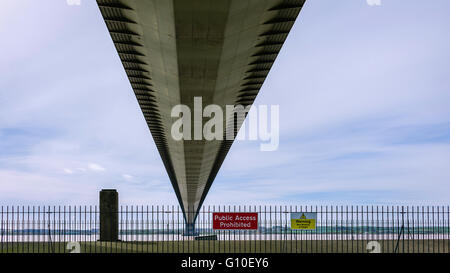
(96, 168)
(68, 171)
(127, 177)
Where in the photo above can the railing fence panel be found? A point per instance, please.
(162, 229)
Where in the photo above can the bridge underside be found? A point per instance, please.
(175, 50)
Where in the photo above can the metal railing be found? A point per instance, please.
(161, 229)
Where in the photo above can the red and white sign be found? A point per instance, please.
(235, 220)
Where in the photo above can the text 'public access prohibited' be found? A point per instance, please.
(235, 220)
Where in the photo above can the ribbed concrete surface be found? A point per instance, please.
(174, 50)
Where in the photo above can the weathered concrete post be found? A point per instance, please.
(109, 215)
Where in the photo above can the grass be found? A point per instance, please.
(188, 246)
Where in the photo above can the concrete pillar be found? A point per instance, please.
(190, 230)
(109, 215)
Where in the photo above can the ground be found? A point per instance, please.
(190, 246)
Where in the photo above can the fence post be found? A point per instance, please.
(109, 215)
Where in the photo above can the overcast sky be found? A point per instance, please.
(364, 95)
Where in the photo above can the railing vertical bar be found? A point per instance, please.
(32, 228)
(357, 229)
(315, 233)
(439, 229)
(393, 228)
(214, 231)
(288, 220)
(80, 232)
(265, 232)
(353, 226)
(327, 232)
(366, 236)
(202, 223)
(164, 241)
(97, 230)
(47, 227)
(23, 229)
(11, 232)
(153, 229)
(72, 223)
(59, 229)
(125, 244)
(413, 227)
(13, 241)
(28, 229)
(428, 229)
(331, 229)
(147, 229)
(39, 229)
(54, 229)
(443, 228)
(142, 231)
(7, 229)
(407, 226)
(157, 229)
(341, 226)
(2, 233)
(403, 228)
(85, 229)
(18, 232)
(172, 231)
(133, 241)
(377, 234)
(64, 227)
(424, 228)
(373, 229)
(433, 233)
(13, 223)
(347, 229)
(91, 233)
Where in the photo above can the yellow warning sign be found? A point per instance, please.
(303, 220)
